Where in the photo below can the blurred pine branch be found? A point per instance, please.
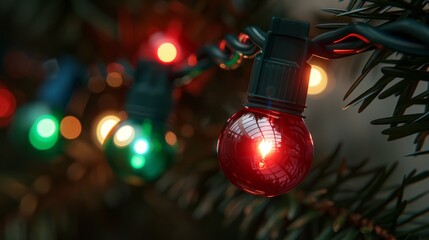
(411, 71)
(337, 201)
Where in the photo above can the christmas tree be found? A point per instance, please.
(111, 111)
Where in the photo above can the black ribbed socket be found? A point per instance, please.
(280, 74)
(151, 94)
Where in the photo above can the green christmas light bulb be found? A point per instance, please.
(44, 132)
(35, 129)
(137, 149)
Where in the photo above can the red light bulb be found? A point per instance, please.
(265, 152)
(7, 103)
(265, 149)
(7, 106)
(162, 47)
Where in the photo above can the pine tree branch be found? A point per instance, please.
(363, 210)
(410, 69)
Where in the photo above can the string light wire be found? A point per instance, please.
(406, 36)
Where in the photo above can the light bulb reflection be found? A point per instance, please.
(141, 146)
(137, 162)
(318, 80)
(124, 136)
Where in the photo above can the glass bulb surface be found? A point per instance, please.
(265, 152)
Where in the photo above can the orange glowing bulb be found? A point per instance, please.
(167, 52)
(70, 127)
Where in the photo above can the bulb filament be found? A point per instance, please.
(264, 148)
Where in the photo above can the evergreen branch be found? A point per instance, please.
(331, 25)
(396, 119)
(409, 68)
(371, 93)
(308, 211)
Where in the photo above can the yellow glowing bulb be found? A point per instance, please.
(167, 52)
(124, 136)
(315, 77)
(318, 80)
(265, 147)
(104, 126)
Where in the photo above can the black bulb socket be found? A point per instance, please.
(280, 74)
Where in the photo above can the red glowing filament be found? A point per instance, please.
(265, 148)
(167, 52)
